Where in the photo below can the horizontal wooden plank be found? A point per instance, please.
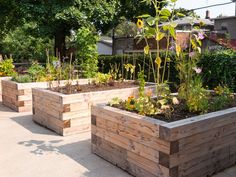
(183, 128)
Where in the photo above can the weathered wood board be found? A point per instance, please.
(3, 78)
(18, 96)
(70, 114)
(195, 147)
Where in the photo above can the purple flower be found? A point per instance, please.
(172, 48)
(201, 35)
(56, 64)
(197, 70)
(192, 54)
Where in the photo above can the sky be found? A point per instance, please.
(228, 9)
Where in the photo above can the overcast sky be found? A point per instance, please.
(228, 10)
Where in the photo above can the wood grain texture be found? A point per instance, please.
(196, 147)
(18, 96)
(75, 108)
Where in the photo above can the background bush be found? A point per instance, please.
(219, 67)
(24, 47)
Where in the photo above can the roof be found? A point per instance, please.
(190, 20)
(107, 43)
(224, 18)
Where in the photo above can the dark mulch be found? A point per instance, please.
(73, 89)
(180, 111)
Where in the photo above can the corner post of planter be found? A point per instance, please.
(168, 160)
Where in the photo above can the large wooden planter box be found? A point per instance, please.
(18, 96)
(3, 78)
(146, 147)
(70, 114)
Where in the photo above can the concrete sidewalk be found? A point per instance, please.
(29, 150)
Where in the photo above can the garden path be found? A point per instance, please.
(29, 150)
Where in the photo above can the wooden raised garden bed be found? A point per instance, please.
(143, 146)
(18, 96)
(3, 78)
(70, 114)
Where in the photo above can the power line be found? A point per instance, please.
(212, 6)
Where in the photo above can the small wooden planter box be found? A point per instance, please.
(3, 78)
(18, 96)
(70, 114)
(146, 147)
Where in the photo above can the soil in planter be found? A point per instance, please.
(94, 87)
(180, 111)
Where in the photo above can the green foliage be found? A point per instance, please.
(7, 67)
(26, 78)
(101, 78)
(86, 43)
(144, 61)
(197, 100)
(23, 46)
(149, 27)
(55, 19)
(141, 81)
(130, 70)
(219, 68)
(115, 101)
(115, 72)
(37, 72)
(222, 98)
(181, 12)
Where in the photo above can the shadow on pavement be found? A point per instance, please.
(80, 152)
(27, 122)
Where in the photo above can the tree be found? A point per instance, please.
(55, 18)
(185, 12)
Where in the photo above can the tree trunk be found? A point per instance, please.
(60, 44)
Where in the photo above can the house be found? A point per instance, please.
(104, 46)
(225, 31)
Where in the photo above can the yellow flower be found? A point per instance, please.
(140, 23)
(178, 49)
(158, 62)
(146, 49)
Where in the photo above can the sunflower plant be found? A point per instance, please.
(159, 27)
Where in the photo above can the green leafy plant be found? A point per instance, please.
(222, 98)
(22, 78)
(115, 71)
(101, 78)
(37, 72)
(115, 101)
(130, 70)
(86, 44)
(7, 67)
(198, 97)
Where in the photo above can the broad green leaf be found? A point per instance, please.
(165, 12)
(172, 32)
(173, 24)
(199, 49)
(151, 21)
(144, 16)
(150, 32)
(146, 49)
(160, 36)
(180, 14)
(165, 27)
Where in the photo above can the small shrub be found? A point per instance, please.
(22, 78)
(101, 78)
(37, 72)
(7, 67)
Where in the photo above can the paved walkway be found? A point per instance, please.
(29, 150)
